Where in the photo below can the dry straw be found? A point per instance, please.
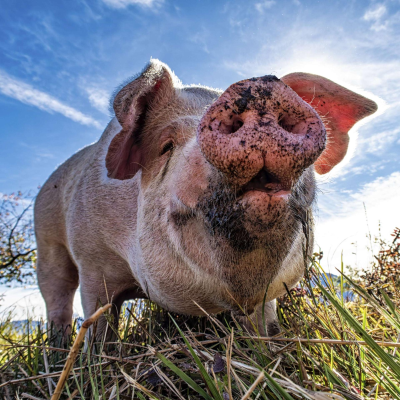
(75, 350)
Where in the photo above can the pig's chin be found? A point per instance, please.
(264, 212)
(245, 220)
(262, 209)
(258, 200)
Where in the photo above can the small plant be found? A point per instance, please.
(384, 273)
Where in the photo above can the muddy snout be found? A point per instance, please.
(261, 135)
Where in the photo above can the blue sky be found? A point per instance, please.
(60, 61)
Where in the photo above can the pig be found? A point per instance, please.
(198, 199)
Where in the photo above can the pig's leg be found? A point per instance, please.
(94, 295)
(256, 324)
(58, 280)
(271, 319)
(95, 292)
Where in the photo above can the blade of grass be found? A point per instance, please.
(253, 386)
(362, 292)
(278, 387)
(186, 378)
(390, 304)
(385, 357)
(210, 383)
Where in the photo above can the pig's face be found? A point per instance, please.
(226, 180)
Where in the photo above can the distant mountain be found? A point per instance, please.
(327, 279)
(21, 327)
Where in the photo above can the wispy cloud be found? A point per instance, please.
(99, 99)
(375, 15)
(379, 142)
(370, 169)
(265, 5)
(126, 3)
(27, 94)
(38, 150)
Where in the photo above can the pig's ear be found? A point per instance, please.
(131, 104)
(339, 109)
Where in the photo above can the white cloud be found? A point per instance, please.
(126, 3)
(344, 224)
(376, 13)
(379, 77)
(379, 142)
(99, 99)
(366, 169)
(260, 7)
(25, 93)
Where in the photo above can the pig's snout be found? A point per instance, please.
(261, 135)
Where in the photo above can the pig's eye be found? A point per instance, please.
(167, 147)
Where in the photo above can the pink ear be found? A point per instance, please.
(131, 104)
(339, 109)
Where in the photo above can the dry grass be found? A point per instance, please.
(161, 356)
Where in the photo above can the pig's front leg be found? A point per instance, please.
(97, 291)
(255, 325)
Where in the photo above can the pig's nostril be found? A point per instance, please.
(230, 128)
(283, 122)
(237, 124)
(288, 123)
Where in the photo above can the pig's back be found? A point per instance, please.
(56, 194)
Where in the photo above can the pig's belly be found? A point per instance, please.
(199, 298)
(190, 306)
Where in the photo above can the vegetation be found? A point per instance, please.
(17, 252)
(329, 348)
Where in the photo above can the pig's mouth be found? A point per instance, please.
(268, 183)
(248, 217)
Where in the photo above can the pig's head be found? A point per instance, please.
(226, 180)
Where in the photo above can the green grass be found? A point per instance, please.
(162, 356)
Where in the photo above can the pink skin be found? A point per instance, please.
(261, 126)
(192, 196)
(236, 188)
(261, 123)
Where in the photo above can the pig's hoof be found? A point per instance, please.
(273, 328)
(60, 338)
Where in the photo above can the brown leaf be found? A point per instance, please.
(152, 378)
(219, 363)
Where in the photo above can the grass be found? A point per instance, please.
(346, 349)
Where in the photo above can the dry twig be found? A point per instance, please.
(75, 349)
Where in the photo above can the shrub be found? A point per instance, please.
(17, 252)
